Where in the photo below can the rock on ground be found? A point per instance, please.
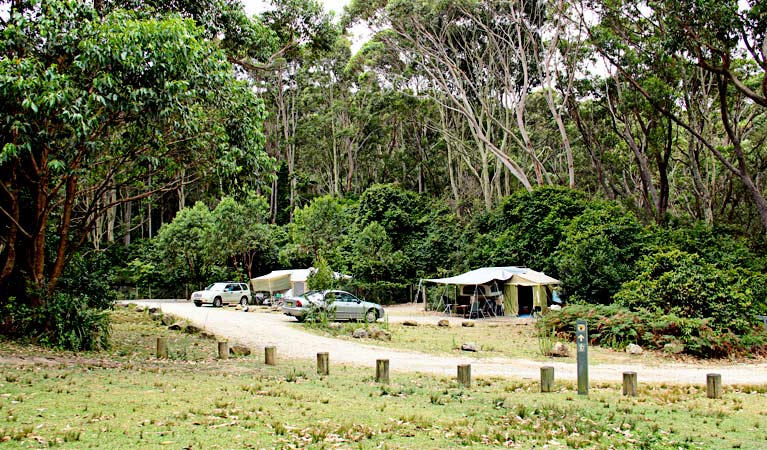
(360, 333)
(410, 323)
(674, 348)
(634, 349)
(239, 350)
(381, 335)
(560, 349)
(444, 323)
(467, 324)
(469, 347)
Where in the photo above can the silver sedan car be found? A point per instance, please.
(346, 306)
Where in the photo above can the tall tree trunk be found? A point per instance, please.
(742, 165)
(127, 219)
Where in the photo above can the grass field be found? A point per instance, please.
(125, 398)
(493, 339)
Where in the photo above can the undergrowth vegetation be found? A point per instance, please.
(130, 400)
(616, 327)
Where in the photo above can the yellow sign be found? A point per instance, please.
(581, 327)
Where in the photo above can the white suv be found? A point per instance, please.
(219, 294)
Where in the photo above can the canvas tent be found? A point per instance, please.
(286, 282)
(518, 288)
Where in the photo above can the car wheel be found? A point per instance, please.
(217, 302)
(244, 301)
(371, 316)
(198, 304)
(300, 318)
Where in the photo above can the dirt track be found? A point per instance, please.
(258, 330)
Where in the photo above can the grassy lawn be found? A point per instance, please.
(494, 339)
(125, 398)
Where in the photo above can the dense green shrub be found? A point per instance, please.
(527, 227)
(720, 246)
(322, 277)
(395, 209)
(65, 321)
(598, 253)
(683, 284)
(615, 327)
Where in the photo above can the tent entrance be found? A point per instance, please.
(525, 299)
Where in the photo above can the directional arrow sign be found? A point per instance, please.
(582, 336)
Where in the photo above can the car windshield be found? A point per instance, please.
(216, 287)
(313, 295)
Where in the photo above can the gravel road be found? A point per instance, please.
(261, 329)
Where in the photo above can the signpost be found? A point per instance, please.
(582, 344)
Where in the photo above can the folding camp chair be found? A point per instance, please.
(476, 310)
(448, 309)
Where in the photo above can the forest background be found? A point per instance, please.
(150, 148)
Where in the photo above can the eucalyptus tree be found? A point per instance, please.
(300, 27)
(318, 227)
(183, 245)
(93, 104)
(481, 60)
(724, 40)
(240, 236)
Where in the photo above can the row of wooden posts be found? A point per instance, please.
(713, 380)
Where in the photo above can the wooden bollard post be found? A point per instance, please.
(323, 367)
(162, 347)
(223, 350)
(714, 385)
(270, 355)
(630, 384)
(547, 379)
(382, 370)
(464, 374)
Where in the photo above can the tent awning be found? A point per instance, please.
(282, 280)
(520, 276)
(532, 278)
(279, 280)
(480, 276)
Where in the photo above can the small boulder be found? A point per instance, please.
(469, 347)
(167, 320)
(206, 335)
(175, 326)
(559, 349)
(633, 349)
(140, 308)
(410, 323)
(381, 335)
(444, 323)
(360, 333)
(674, 348)
(467, 324)
(239, 350)
(335, 326)
(156, 316)
(153, 310)
(192, 329)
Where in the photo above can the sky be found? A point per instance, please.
(359, 33)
